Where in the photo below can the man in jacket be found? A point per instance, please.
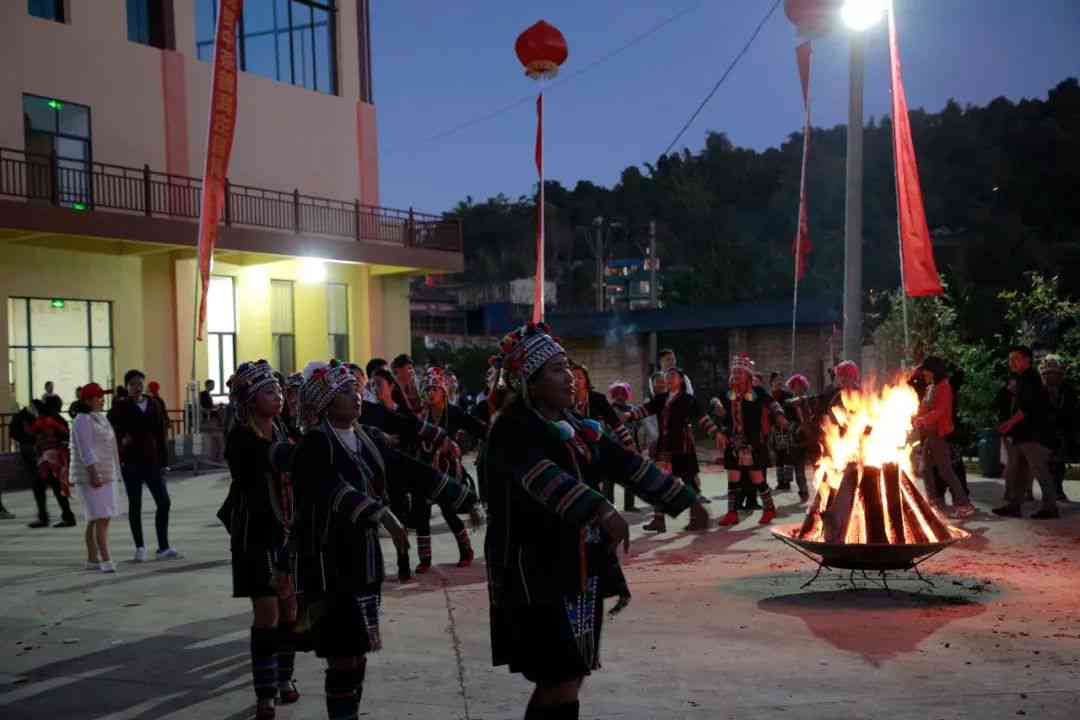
(140, 431)
(1029, 432)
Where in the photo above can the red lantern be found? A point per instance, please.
(813, 17)
(541, 49)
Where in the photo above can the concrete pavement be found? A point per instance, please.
(718, 628)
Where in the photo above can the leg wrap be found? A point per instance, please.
(264, 662)
(766, 497)
(341, 703)
(423, 548)
(286, 655)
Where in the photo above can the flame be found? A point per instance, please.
(869, 430)
(864, 489)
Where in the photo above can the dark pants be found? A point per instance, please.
(41, 484)
(1030, 457)
(135, 476)
(421, 517)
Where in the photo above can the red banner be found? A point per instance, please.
(538, 284)
(801, 248)
(218, 144)
(920, 274)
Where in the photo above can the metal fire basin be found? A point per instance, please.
(867, 556)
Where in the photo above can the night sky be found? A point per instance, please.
(439, 64)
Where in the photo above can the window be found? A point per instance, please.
(63, 341)
(47, 9)
(221, 333)
(282, 327)
(146, 22)
(58, 148)
(337, 303)
(291, 41)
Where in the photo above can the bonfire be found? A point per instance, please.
(867, 512)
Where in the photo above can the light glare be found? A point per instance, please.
(312, 270)
(861, 14)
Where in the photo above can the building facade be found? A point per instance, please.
(103, 122)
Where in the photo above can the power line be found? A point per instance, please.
(723, 77)
(565, 78)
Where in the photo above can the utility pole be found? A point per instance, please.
(653, 292)
(599, 222)
(853, 210)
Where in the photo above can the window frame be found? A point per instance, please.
(63, 196)
(89, 347)
(275, 337)
(60, 12)
(331, 335)
(327, 6)
(158, 35)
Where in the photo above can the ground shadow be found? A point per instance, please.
(181, 667)
(875, 623)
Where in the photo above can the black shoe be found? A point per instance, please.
(782, 487)
(1008, 511)
(1045, 515)
(65, 523)
(38, 524)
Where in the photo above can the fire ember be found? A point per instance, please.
(867, 513)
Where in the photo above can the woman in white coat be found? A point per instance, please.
(95, 469)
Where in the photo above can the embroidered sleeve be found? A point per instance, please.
(558, 491)
(643, 478)
(652, 407)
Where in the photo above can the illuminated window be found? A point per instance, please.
(337, 304)
(221, 333)
(60, 340)
(282, 327)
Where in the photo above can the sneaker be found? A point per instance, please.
(168, 554)
(92, 565)
(65, 523)
(107, 566)
(1045, 514)
(38, 524)
(963, 511)
(288, 694)
(767, 517)
(1008, 511)
(6, 514)
(265, 710)
(423, 568)
(140, 554)
(732, 518)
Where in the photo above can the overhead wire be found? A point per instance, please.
(730, 67)
(640, 37)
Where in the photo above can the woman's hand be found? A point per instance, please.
(397, 531)
(95, 478)
(617, 529)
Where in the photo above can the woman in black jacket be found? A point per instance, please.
(341, 475)
(676, 411)
(259, 515)
(444, 454)
(552, 536)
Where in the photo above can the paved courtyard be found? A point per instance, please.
(719, 628)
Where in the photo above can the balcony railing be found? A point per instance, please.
(77, 184)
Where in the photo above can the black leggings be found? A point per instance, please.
(41, 484)
(421, 517)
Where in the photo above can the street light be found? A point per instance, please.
(858, 15)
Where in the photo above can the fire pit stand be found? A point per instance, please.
(874, 557)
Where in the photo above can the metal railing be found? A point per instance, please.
(81, 185)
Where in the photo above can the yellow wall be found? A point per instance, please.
(153, 308)
(40, 272)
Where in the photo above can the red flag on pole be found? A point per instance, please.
(917, 268)
(218, 144)
(538, 286)
(802, 247)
